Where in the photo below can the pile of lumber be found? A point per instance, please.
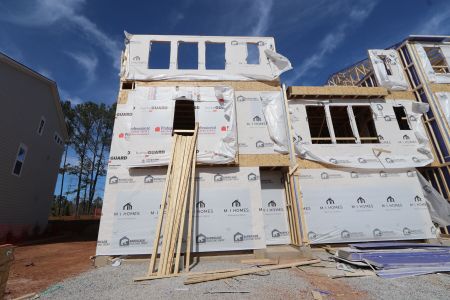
(178, 198)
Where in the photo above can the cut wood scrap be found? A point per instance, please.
(153, 277)
(222, 275)
(316, 295)
(260, 261)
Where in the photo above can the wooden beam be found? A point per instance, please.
(336, 91)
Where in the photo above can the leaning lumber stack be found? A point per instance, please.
(178, 196)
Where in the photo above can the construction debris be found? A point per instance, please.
(394, 260)
(197, 278)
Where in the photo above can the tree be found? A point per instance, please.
(69, 120)
(84, 120)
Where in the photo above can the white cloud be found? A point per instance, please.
(439, 23)
(333, 39)
(46, 13)
(88, 62)
(261, 11)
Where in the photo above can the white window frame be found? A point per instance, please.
(43, 126)
(23, 146)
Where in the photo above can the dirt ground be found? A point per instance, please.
(38, 266)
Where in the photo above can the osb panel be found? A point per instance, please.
(309, 164)
(404, 95)
(263, 160)
(341, 91)
(436, 88)
(122, 98)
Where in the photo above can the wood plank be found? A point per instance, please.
(210, 277)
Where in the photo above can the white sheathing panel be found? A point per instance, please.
(253, 134)
(150, 138)
(401, 148)
(380, 205)
(138, 48)
(228, 212)
(396, 79)
(274, 208)
(426, 65)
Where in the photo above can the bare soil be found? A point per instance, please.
(36, 267)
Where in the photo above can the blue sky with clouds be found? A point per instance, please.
(77, 43)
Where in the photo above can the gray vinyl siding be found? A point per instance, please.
(24, 99)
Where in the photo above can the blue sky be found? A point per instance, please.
(77, 43)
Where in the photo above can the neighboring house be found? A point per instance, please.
(33, 134)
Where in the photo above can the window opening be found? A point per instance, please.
(365, 124)
(252, 54)
(184, 116)
(20, 160)
(159, 57)
(215, 56)
(437, 59)
(318, 126)
(402, 118)
(341, 124)
(187, 56)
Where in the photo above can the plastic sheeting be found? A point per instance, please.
(437, 205)
(135, 59)
(444, 102)
(381, 205)
(274, 208)
(384, 61)
(228, 214)
(150, 136)
(260, 121)
(396, 148)
(426, 65)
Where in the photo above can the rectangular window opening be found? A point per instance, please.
(128, 85)
(252, 54)
(20, 159)
(41, 126)
(341, 124)
(402, 118)
(184, 116)
(187, 56)
(387, 63)
(159, 57)
(365, 124)
(318, 126)
(437, 59)
(215, 56)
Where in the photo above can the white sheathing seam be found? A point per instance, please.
(401, 148)
(426, 65)
(138, 50)
(381, 205)
(394, 81)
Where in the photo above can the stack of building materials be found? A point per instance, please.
(398, 259)
(178, 197)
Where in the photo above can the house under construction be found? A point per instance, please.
(277, 165)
